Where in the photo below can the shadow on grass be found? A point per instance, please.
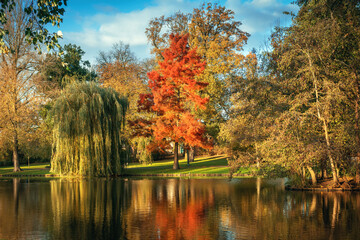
(212, 164)
(33, 169)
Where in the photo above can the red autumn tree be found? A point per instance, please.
(175, 94)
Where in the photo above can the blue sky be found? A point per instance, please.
(96, 25)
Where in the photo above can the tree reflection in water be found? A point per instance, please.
(173, 209)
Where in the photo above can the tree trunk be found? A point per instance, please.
(357, 177)
(357, 136)
(187, 156)
(323, 169)
(325, 174)
(321, 118)
(176, 156)
(16, 154)
(303, 172)
(192, 154)
(257, 156)
(313, 175)
(332, 162)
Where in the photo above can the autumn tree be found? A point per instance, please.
(312, 63)
(344, 17)
(160, 29)
(218, 40)
(174, 93)
(250, 115)
(19, 99)
(121, 70)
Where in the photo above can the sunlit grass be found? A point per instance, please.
(33, 169)
(202, 165)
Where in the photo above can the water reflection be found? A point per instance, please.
(173, 209)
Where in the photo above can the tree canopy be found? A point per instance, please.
(218, 39)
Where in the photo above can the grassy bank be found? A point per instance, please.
(36, 169)
(203, 166)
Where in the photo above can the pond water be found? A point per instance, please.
(173, 209)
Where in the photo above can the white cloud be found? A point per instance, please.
(262, 3)
(101, 31)
(259, 17)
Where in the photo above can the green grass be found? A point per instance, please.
(33, 169)
(252, 170)
(202, 165)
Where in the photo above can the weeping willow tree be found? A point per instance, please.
(88, 124)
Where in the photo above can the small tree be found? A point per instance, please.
(88, 123)
(175, 93)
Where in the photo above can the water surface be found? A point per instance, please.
(173, 209)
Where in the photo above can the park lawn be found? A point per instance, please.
(33, 170)
(201, 165)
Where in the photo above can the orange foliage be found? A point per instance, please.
(174, 93)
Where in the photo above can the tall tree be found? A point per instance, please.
(250, 115)
(174, 93)
(18, 95)
(159, 30)
(345, 64)
(88, 122)
(119, 69)
(219, 41)
(314, 60)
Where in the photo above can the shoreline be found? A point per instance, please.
(322, 189)
(29, 175)
(191, 175)
(178, 175)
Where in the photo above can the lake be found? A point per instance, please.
(173, 209)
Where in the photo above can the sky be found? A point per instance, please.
(97, 25)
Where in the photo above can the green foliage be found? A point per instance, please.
(274, 171)
(142, 154)
(59, 71)
(73, 64)
(41, 13)
(88, 122)
(297, 109)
